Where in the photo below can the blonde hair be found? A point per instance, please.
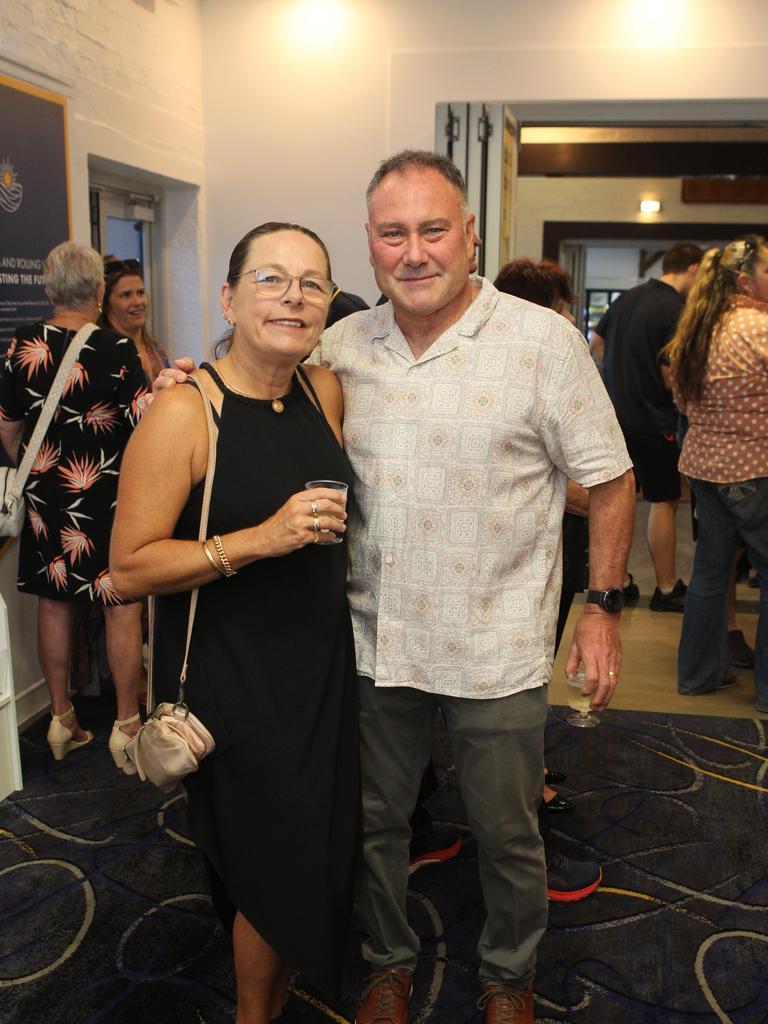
(711, 296)
(72, 274)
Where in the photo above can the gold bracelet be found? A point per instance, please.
(212, 560)
(228, 570)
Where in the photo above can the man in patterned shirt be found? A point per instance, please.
(465, 411)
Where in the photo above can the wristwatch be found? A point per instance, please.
(611, 600)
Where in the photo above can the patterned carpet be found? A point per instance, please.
(104, 916)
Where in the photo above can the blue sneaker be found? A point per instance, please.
(571, 880)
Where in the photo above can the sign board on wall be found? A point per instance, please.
(34, 198)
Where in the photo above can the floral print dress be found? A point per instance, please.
(72, 488)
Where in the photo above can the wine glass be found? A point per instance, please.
(583, 718)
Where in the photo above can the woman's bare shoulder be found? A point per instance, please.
(322, 378)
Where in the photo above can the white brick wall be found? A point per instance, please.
(131, 72)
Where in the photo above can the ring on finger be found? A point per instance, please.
(313, 506)
(611, 673)
(316, 523)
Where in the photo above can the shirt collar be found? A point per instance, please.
(750, 303)
(385, 326)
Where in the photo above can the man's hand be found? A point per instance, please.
(597, 645)
(168, 377)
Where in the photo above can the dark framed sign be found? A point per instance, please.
(34, 198)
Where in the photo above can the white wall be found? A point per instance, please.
(130, 70)
(295, 127)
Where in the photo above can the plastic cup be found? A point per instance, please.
(328, 536)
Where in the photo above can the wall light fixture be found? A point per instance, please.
(319, 23)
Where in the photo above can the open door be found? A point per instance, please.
(482, 140)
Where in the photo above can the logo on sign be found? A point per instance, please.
(11, 189)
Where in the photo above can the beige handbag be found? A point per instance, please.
(13, 480)
(172, 742)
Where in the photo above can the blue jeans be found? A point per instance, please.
(726, 512)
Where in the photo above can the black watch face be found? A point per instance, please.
(613, 600)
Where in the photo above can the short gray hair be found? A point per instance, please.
(72, 274)
(420, 160)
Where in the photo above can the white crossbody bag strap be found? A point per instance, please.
(202, 533)
(49, 408)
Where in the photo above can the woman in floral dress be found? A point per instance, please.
(71, 491)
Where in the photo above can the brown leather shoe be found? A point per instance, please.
(505, 1004)
(385, 997)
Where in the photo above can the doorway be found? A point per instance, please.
(123, 225)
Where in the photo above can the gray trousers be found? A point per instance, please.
(498, 747)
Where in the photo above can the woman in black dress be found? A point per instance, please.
(71, 490)
(275, 808)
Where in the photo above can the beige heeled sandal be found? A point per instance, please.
(119, 740)
(60, 736)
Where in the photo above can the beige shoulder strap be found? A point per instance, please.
(202, 533)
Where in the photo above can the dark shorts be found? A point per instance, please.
(655, 458)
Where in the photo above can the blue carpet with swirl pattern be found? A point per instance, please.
(104, 915)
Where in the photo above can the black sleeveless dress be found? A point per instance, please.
(276, 808)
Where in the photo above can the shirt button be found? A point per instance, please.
(389, 560)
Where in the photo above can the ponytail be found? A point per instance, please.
(709, 299)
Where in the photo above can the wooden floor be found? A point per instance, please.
(649, 639)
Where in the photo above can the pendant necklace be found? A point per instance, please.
(277, 405)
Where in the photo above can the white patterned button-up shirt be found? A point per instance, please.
(461, 458)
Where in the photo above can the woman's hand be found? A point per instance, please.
(306, 518)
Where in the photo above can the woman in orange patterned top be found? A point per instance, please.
(71, 491)
(719, 363)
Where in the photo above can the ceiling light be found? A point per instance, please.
(650, 206)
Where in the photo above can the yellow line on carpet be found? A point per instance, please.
(318, 1004)
(713, 775)
(655, 899)
(722, 743)
(630, 892)
(18, 842)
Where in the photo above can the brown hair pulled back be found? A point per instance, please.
(711, 296)
(544, 283)
(117, 271)
(240, 254)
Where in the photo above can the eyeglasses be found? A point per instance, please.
(122, 267)
(275, 284)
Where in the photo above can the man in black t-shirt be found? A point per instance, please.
(628, 340)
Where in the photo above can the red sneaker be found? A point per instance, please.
(435, 853)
